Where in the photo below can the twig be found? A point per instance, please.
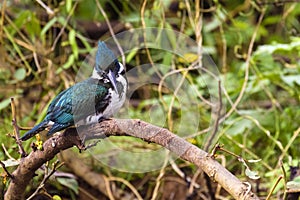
(219, 147)
(285, 150)
(56, 166)
(111, 30)
(242, 146)
(6, 152)
(176, 168)
(224, 47)
(210, 137)
(284, 179)
(188, 7)
(64, 26)
(198, 31)
(160, 176)
(2, 20)
(49, 11)
(145, 36)
(193, 66)
(14, 26)
(193, 183)
(6, 171)
(274, 186)
(174, 95)
(277, 3)
(16, 128)
(36, 61)
(108, 189)
(247, 66)
(129, 185)
(94, 179)
(91, 145)
(187, 179)
(217, 121)
(87, 194)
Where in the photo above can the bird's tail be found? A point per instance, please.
(38, 128)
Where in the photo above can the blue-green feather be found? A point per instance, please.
(73, 104)
(104, 57)
(84, 99)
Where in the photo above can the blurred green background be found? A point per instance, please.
(43, 44)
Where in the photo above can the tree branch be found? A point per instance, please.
(126, 127)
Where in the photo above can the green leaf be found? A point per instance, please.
(72, 40)
(251, 174)
(56, 197)
(5, 74)
(133, 18)
(70, 183)
(20, 74)
(67, 65)
(33, 26)
(297, 179)
(48, 26)
(20, 20)
(11, 162)
(270, 49)
(294, 184)
(68, 5)
(167, 60)
(85, 42)
(4, 103)
(256, 85)
(188, 57)
(239, 127)
(254, 161)
(131, 55)
(291, 79)
(172, 38)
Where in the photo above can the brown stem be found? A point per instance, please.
(16, 128)
(6, 171)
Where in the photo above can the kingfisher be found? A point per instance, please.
(90, 101)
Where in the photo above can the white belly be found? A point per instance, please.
(115, 104)
(117, 100)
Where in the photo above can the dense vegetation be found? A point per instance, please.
(255, 46)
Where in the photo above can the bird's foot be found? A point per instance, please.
(92, 144)
(81, 146)
(101, 119)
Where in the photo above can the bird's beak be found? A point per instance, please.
(112, 78)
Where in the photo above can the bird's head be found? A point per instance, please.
(107, 66)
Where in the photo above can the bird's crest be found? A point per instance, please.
(104, 57)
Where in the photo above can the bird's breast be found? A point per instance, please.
(117, 99)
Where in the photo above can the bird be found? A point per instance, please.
(95, 99)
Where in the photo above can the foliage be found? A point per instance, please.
(41, 52)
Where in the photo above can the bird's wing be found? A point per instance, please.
(60, 109)
(79, 101)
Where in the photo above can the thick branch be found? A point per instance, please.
(136, 128)
(28, 165)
